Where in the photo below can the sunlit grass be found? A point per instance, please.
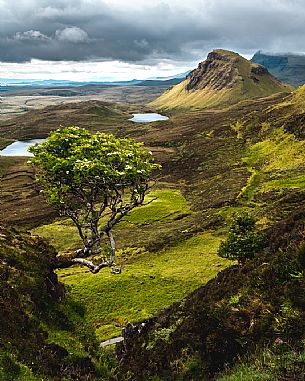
(148, 284)
(160, 205)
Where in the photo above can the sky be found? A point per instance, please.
(121, 40)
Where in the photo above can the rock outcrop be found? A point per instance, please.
(223, 79)
(289, 68)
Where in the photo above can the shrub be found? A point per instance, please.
(243, 241)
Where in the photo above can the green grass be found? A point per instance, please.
(148, 284)
(150, 281)
(161, 206)
(246, 372)
(297, 182)
(267, 366)
(164, 204)
(247, 193)
(279, 156)
(280, 151)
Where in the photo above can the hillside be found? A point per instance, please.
(250, 158)
(255, 311)
(223, 79)
(43, 334)
(258, 308)
(289, 68)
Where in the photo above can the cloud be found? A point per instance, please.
(145, 32)
(72, 34)
(31, 35)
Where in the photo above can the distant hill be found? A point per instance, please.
(159, 82)
(8, 84)
(289, 68)
(224, 78)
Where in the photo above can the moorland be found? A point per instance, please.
(185, 313)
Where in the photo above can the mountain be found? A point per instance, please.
(224, 78)
(159, 82)
(289, 68)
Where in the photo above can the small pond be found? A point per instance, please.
(20, 148)
(148, 117)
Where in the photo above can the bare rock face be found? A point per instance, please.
(258, 70)
(221, 70)
(217, 72)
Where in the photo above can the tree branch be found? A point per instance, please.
(91, 266)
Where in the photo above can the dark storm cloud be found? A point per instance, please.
(140, 30)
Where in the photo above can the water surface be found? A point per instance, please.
(148, 117)
(20, 148)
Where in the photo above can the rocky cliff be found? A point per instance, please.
(289, 68)
(224, 78)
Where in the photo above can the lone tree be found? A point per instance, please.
(243, 241)
(95, 180)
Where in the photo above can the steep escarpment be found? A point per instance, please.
(224, 78)
(289, 68)
(42, 334)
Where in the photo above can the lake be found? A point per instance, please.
(148, 117)
(20, 148)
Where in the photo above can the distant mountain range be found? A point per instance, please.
(224, 78)
(287, 67)
(158, 81)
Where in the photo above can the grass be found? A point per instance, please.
(297, 182)
(161, 206)
(281, 157)
(280, 151)
(150, 281)
(247, 193)
(268, 366)
(148, 284)
(246, 372)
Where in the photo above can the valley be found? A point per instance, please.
(17, 102)
(183, 310)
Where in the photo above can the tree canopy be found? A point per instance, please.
(243, 241)
(94, 179)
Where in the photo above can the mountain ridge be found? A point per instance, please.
(287, 67)
(224, 78)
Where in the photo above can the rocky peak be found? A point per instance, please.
(222, 70)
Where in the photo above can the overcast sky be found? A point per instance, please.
(125, 39)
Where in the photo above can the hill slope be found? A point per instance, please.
(247, 158)
(259, 307)
(43, 334)
(289, 68)
(224, 78)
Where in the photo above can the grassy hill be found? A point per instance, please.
(223, 79)
(249, 157)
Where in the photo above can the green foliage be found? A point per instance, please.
(88, 177)
(72, 158)
(243, 241)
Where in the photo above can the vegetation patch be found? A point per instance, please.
(161, 205)
(149, 283)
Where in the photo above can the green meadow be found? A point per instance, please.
(150, 281)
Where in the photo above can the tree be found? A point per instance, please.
(95, 180)
(243, 241)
